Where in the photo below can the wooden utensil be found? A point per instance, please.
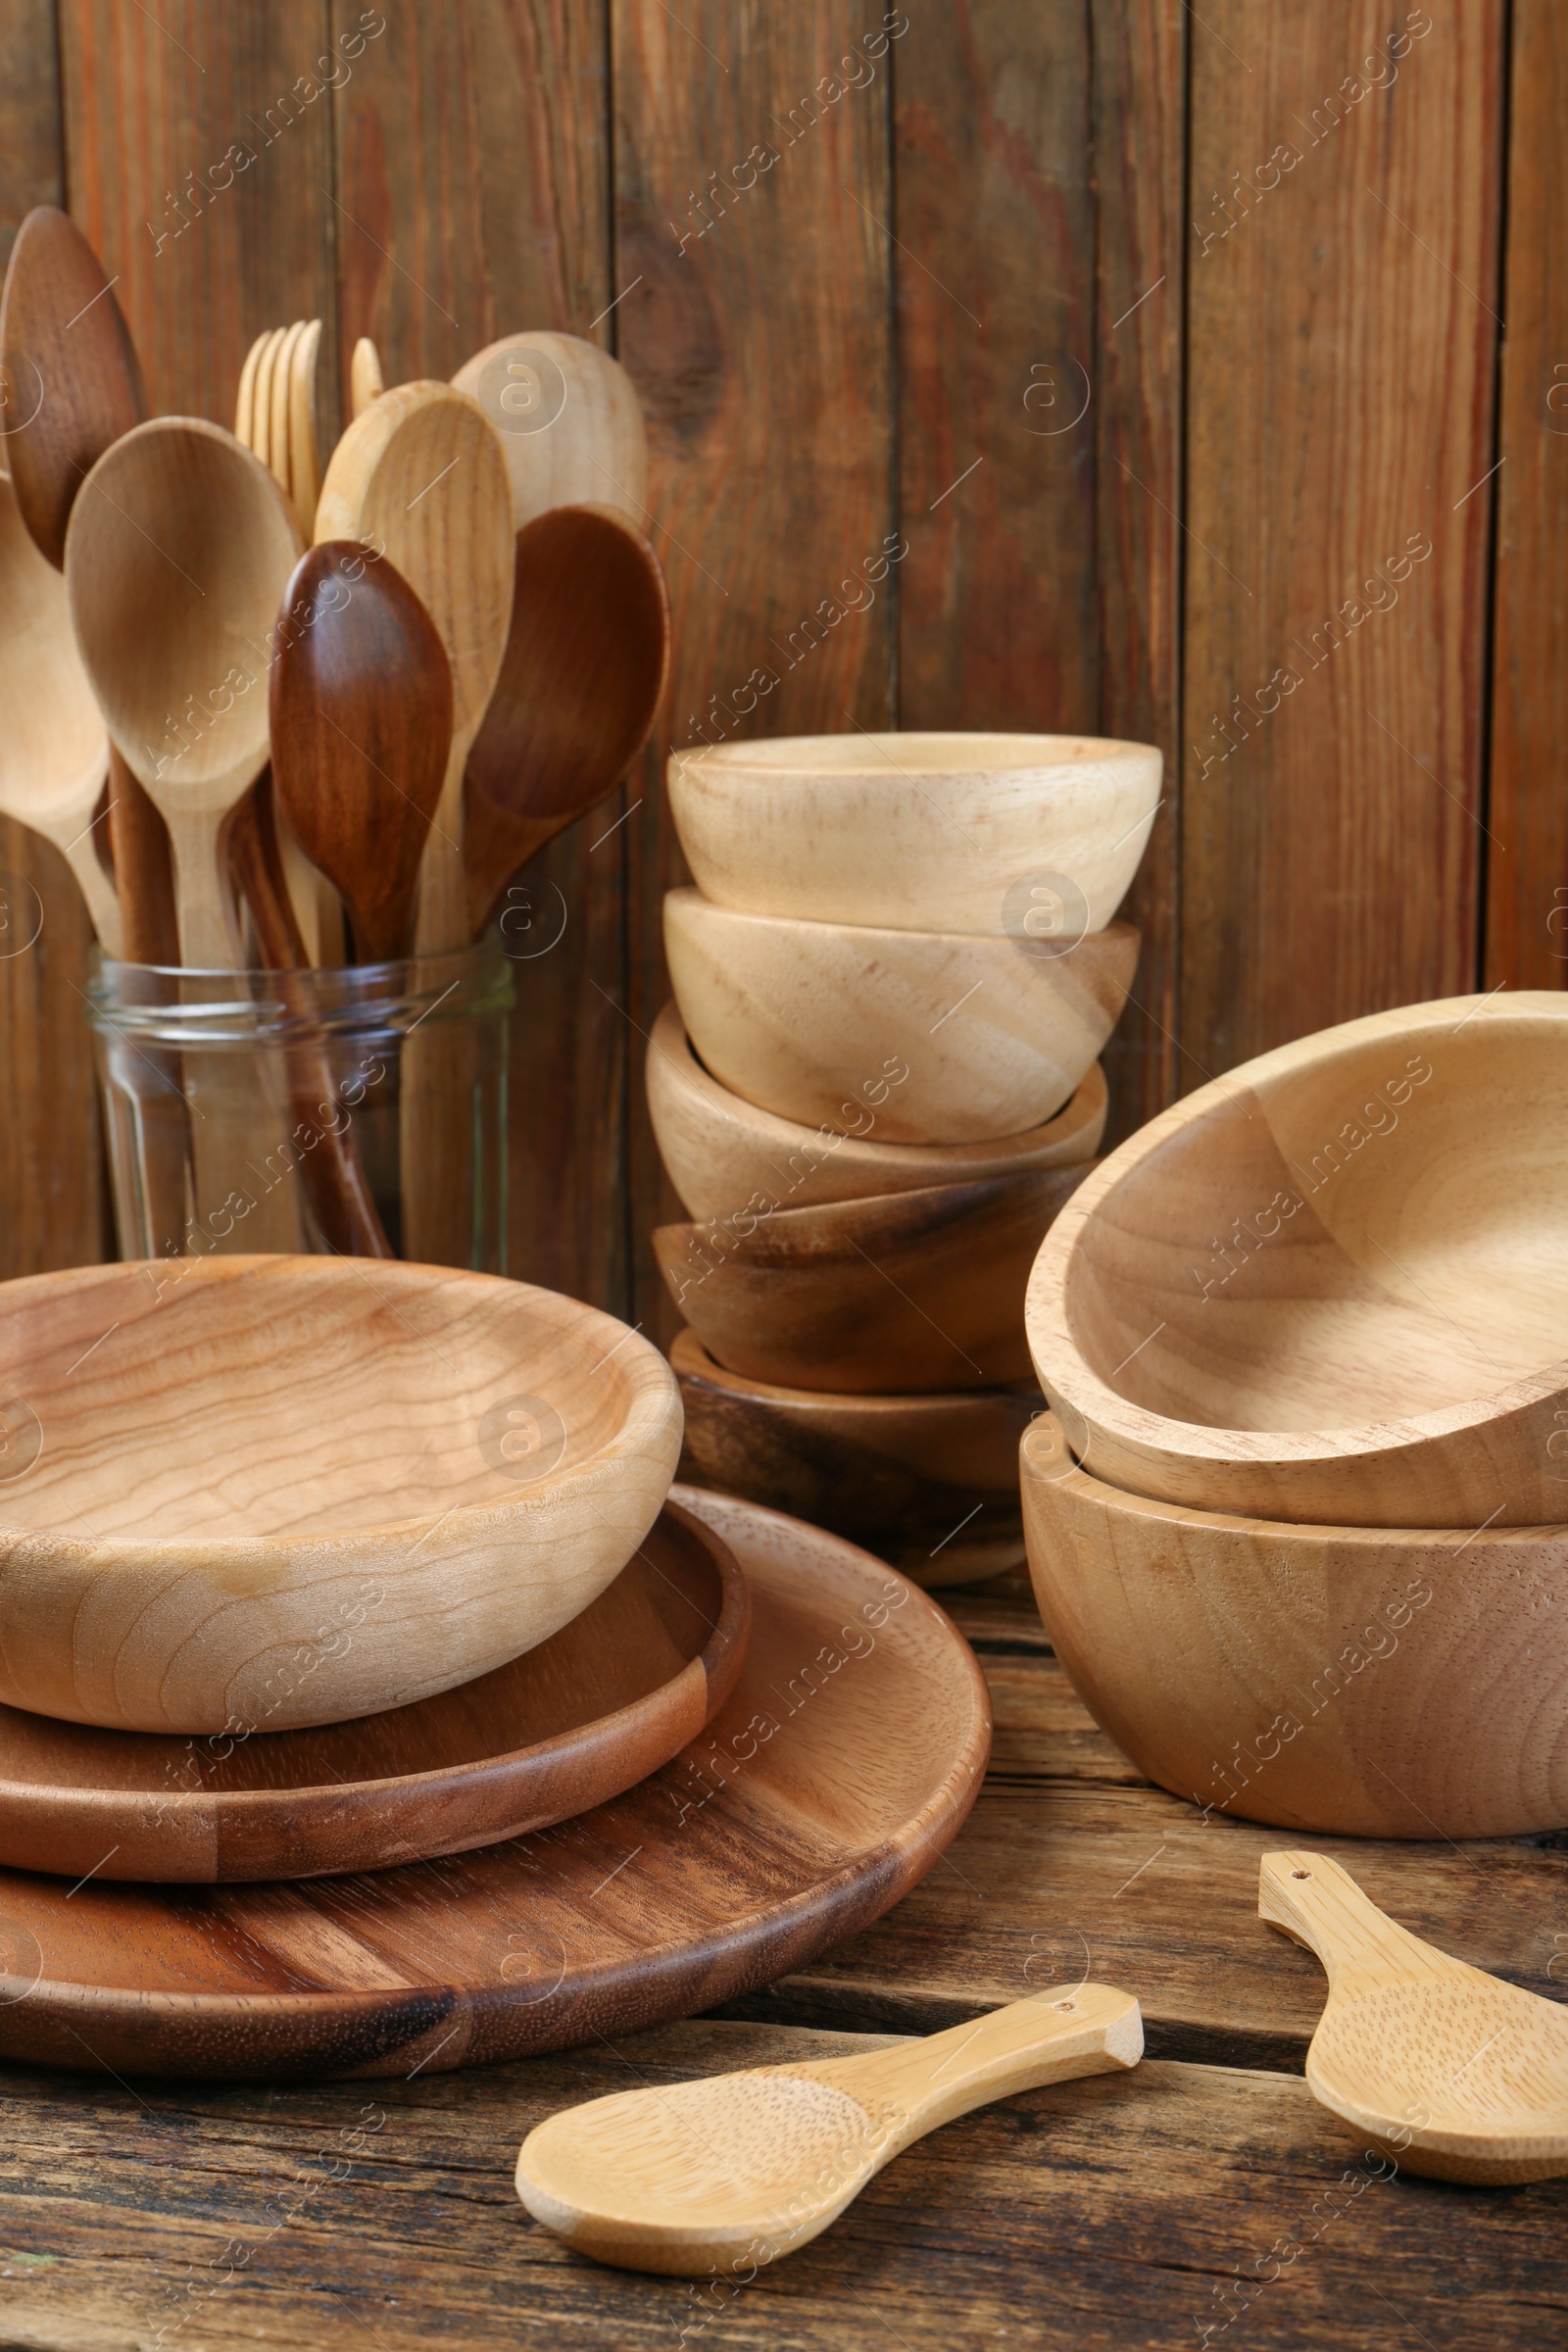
(179, 553)
(1454, 2072)
(304, 457)
(803, 1017)
(260, 438)
(1294, 1674)
(569, 419)
(607, 1700)
(331, 1165)
(927, 1482)
(365, 376)
(587, 655)
(66, 351)
(53, 750)
(905, 1292)
(149, 1076)
(419, 476)
(361, 703)
(919, 832)
(725, 1156)
(482, 1455)
(844, 1762)
(1330, 1286)
(280, 445)
(740, 2169)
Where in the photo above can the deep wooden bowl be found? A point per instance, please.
(247, 1493)
(1366, 1682)
(927, 1482)
(1333, 1285)
(724, 1156)
(903, 1293)
(914, 832)
(950, 1039)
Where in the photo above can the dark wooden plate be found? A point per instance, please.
(568, 1725)
(844, 1761)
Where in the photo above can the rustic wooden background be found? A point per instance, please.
(1151, 336)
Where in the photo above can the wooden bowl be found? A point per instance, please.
(1333, 1285)
(723, 1155)
(927, 1482)
(607, 1700)
(917, 832)
(1366, 1682)
(247, 1493)
(949, 1039)
(905, 1293)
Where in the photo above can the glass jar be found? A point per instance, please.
(361, 1110)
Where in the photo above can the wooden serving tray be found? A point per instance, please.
(844, 1761)
(605, 1701)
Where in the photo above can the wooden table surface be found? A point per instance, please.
(1203, 2198)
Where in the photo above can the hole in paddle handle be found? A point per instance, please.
(1065, 2004)
(1301, 1873)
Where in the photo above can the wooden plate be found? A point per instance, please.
(843, 1763)
(602, 1703)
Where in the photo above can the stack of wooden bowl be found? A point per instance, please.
(877, 1086)
(1297, 1520)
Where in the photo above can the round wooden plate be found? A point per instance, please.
(608, 1698)
(842, 1764)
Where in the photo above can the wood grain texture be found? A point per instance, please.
(1527, 853)
(1336, 561)
(764, 331)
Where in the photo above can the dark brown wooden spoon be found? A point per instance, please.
(68, 368)
(361, 703)
(580, 682)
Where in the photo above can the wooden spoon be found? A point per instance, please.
(419, 476)
(1452, 2071)
(360, 705)
(65, 347)
(585, 665)
(569, 422)
(177, 555)
(744, 2167)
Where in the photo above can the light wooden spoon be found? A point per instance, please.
(177, 555)
(586, 659)
(420, 478)
(1452, 2071)
(569, 419)
(66, 353)
(748, 2167)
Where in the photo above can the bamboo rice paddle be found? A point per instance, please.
(740, 2169)
(365, 376)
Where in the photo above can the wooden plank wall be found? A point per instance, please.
(1165, 352)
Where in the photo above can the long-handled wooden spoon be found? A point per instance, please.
(585, 665)
(744, 2167)
(66, 354)
(176, 558)
(362, 730)
(1452, 2071)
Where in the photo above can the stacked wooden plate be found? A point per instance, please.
(1296, 1523)
(875, 1089)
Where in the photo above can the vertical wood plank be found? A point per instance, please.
(753, 316)
(1526, 851)
(1341, 336)
(1140, 165)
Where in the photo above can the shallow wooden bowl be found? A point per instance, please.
(927, 1482)
(903, 1293)
(247, 1493)
(1333, 1285)
(724, 1156)
(1368, 1682)
(917, 832)
(950, 1039)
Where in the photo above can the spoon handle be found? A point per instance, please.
(1314, 1901)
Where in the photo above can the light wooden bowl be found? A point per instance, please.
(950, 1040)
(917, 832)
(906, 1292)
(1368, 1682)
(1333, 1285)
(724, 1156)
(249, 1494)
(927, 1482)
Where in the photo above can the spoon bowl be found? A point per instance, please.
(569, 421)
